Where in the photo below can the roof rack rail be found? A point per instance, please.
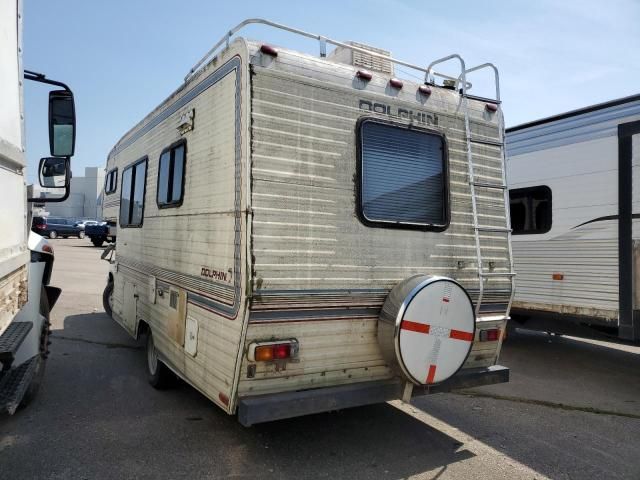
(323, 48)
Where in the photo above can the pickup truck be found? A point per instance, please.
(104, 232)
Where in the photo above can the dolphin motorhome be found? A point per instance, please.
(299, 233)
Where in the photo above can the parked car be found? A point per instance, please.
(54, 227)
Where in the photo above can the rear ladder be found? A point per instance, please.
(479, 230)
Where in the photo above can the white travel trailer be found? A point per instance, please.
(574, 210)
(275, 202)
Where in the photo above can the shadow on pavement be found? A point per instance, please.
(112, 424)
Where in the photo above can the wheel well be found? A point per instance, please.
(143, 328)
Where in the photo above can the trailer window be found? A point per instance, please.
(402, 176)
(111, 182)
(171, 176)
(530, 210)
(132, 193)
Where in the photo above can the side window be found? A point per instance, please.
(111, 182)
(403, 178)
(171, 168)
(530, 210)
(132, 191)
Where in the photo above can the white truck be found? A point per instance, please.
(26, 259)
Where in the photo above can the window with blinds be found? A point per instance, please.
(402, 175)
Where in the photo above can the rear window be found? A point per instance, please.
(402, 176)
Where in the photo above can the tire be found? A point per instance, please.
(80, 235)
(97, 242)
(53, 234)
(43, 353)
(159, 376)
(107, 298)
(65, 236)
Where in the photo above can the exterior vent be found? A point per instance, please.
(360, 59)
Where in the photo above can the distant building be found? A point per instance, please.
(85, 198)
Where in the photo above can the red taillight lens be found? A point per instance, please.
(281, 351)
(490, 335)
(41, 226)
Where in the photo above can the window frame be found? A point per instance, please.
(177, 203)
(446, 198)
(525, 190)
(133, 166)
(113, 171)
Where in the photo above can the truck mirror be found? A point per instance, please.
(53, 172)
(62, 123)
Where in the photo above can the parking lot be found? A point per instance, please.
(571, 410)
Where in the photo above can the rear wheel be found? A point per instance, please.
(97, 242)
(159, 375)
(107, 298)
(81, 235)
(53, 234)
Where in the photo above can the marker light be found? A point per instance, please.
(490, 335)
(558, 276)
(396, 83)
(269, 50)
(492, 107)
(364, 75)
(425, 90)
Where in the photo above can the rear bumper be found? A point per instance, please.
(278, 406)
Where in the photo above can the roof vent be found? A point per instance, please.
(361, 59)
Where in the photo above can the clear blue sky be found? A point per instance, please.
(123, 57)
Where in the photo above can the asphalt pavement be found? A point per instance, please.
(571, 411)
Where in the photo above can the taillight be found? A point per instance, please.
(41, 226)
(271, 351)
(490, 335)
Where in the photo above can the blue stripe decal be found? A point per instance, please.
(588, 126)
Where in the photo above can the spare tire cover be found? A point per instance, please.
(426, 328)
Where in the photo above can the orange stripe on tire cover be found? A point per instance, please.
(460, 335)
(432, 374)
(414, 326)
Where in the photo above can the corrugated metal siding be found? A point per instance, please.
(314, 260)
(174, 244)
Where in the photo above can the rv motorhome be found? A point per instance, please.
(300, 233)
(574, 211)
